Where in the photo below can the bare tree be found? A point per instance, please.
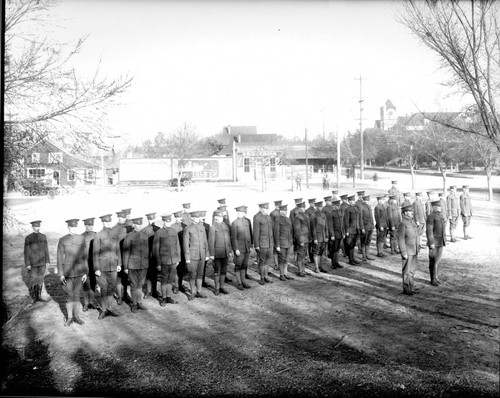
(409, 146)
(466, 37)
(45, 97)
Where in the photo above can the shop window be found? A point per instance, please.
(36, 173)
(246, 165)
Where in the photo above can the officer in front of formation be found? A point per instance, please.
(73, 270)
(436, 240)
(36, 260)
(242, 243)
(283, 241)
(263, 241)
(409, 244)
(90, 284)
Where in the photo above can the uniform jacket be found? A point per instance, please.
(136, 250)
(275, 214)
(408, 237)
(121, 231)
(219, 240)
(71, 256)
(452, 206)
(380, 213)
(394, 191)
(107, 250)
(327, 209)
(366, 219)
(283, 232)
(428, 208)
(293, 213)
(225, 218)
(186, 218)
(150, 231)
(436, 234)
(465, 205)
(393, 215)
(301, 232)
(418, 211)
(36, 250)
(262, 231)
(335, 224)
(241, 235)
(351, 220)
(195, 242)
(179, 228)
(166, 246)
(310, 211)
(318, 226)
(89, 247)
(343, 206)
(444, 207)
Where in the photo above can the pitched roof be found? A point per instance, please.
(389, 104)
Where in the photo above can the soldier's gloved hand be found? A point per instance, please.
(158, 268)
(212, 258)
(405, 256)
(315, 241)
(432, 246)
(97, 273)
(347, 234)
(278, 249)
(126, 270)
(119, 268)
(206, 258)
(332, 238)
(393, 228)
(237, 253)
(381, 228)
(301, 244)
(62, 279)
(188, 261)
(28, 267)
(84, 278)
(56, 271)
(363, 231)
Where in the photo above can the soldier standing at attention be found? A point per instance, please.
(428, 205)
(167, 254)
(152, 274)
(319, 236)
(136, 262)
(327, 208)
(343, 206)
(436, 240)
(309, 212)
(36, 260)
(121, 229)
(394, 191)
(335, 227)
(409, 243)
(283, 241)
(274, 215)
(301, 237)
(107, 263)
(186, 215)
(90, 282)
(406, 200)
(419, 213)
(358, 205)
(222, 207)
(367, 225)
(465, 209)
(295, 210)
(196, 252)
(207, 230)
(241, 241)
(219, 247)
(263, 241)
(381, 224)
(393, 220)
(351, 228)
(453, 211)
(72, 268)
(179, 227)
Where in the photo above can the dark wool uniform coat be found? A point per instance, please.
(107, 250)
(282, 232)
(136, 250)
(380, 213)
(301, 231)
(71, 256)
(36, 250)
(318, 226)
(452, 205)
(166, 246)
(195, 242)
(89, 246)
(293, 213)
(465, 205)
(262, 231)
(275, 214)
(335, 224)
(366, 217)
(418, 211)
(241, 235)
(351, 220)
(219, 240)
(393, 215)
(435, 229)
(408, 237)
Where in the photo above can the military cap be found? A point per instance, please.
(151, 216)
(301, 204)
(394, 182)
(264, 205)
(121, 214)
(430, 193)
(178, 213)
(407, 208)
(327, 198)
(137, 220)
(35, 223)
(436, 203)
(380, 197)
(361, 193)
(88, 221)
(195, 213)
(319, 203)
(284, 207)
(72, 222)
(218, 213)
(453, 186)
(335, 192)
(366, 197)
(105, 218)
(127, 211)
(221, 201)
(407, 194)
(465, 186)
(418, 193)
(186, 205)
(392, 197)
(278, 202)
(298, 200)
(440, 194)
(344, 196)
(222, 208)
(352, 197)
(312, 200)
(241, 208)
(166, 217)
(336, 202)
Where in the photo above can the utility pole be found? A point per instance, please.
(362, 162)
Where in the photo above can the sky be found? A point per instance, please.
(282, 66)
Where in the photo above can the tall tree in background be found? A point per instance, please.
(466, 37)
(410, 146)
(45, 97)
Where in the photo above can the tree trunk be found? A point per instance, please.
(412, 173)
(443, 174)
(490, 187)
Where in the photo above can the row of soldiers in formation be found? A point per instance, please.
(128, 254)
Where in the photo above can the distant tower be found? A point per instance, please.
(388, 115)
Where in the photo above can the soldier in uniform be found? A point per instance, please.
(436, 240)
(122, 228)
(73, 270)
(274, 215)
(186, 215)
(335, 227)
(465, 209)
(394, 191)
(409, 243)
(453, 211)
(301, 237)
(107, 263)
(283, 240)
(309, 212)
(36, 260)
(381, 224)
(263, 241)
(343, 206)
(207, 230)
(181, 270)
(295, 210)
(152, 274)
(222, 207)
(136, 261)
(195, 247)
(167, 254)
(335, 194)
(351, 228)
(220, 249)
(241, 242)
(90, 283)
(367, 225)
(319, 235)
(359, 205)
(419, 213)
(428, 205)
(406, 200)
(393, 221)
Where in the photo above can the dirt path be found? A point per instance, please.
(349, 332)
